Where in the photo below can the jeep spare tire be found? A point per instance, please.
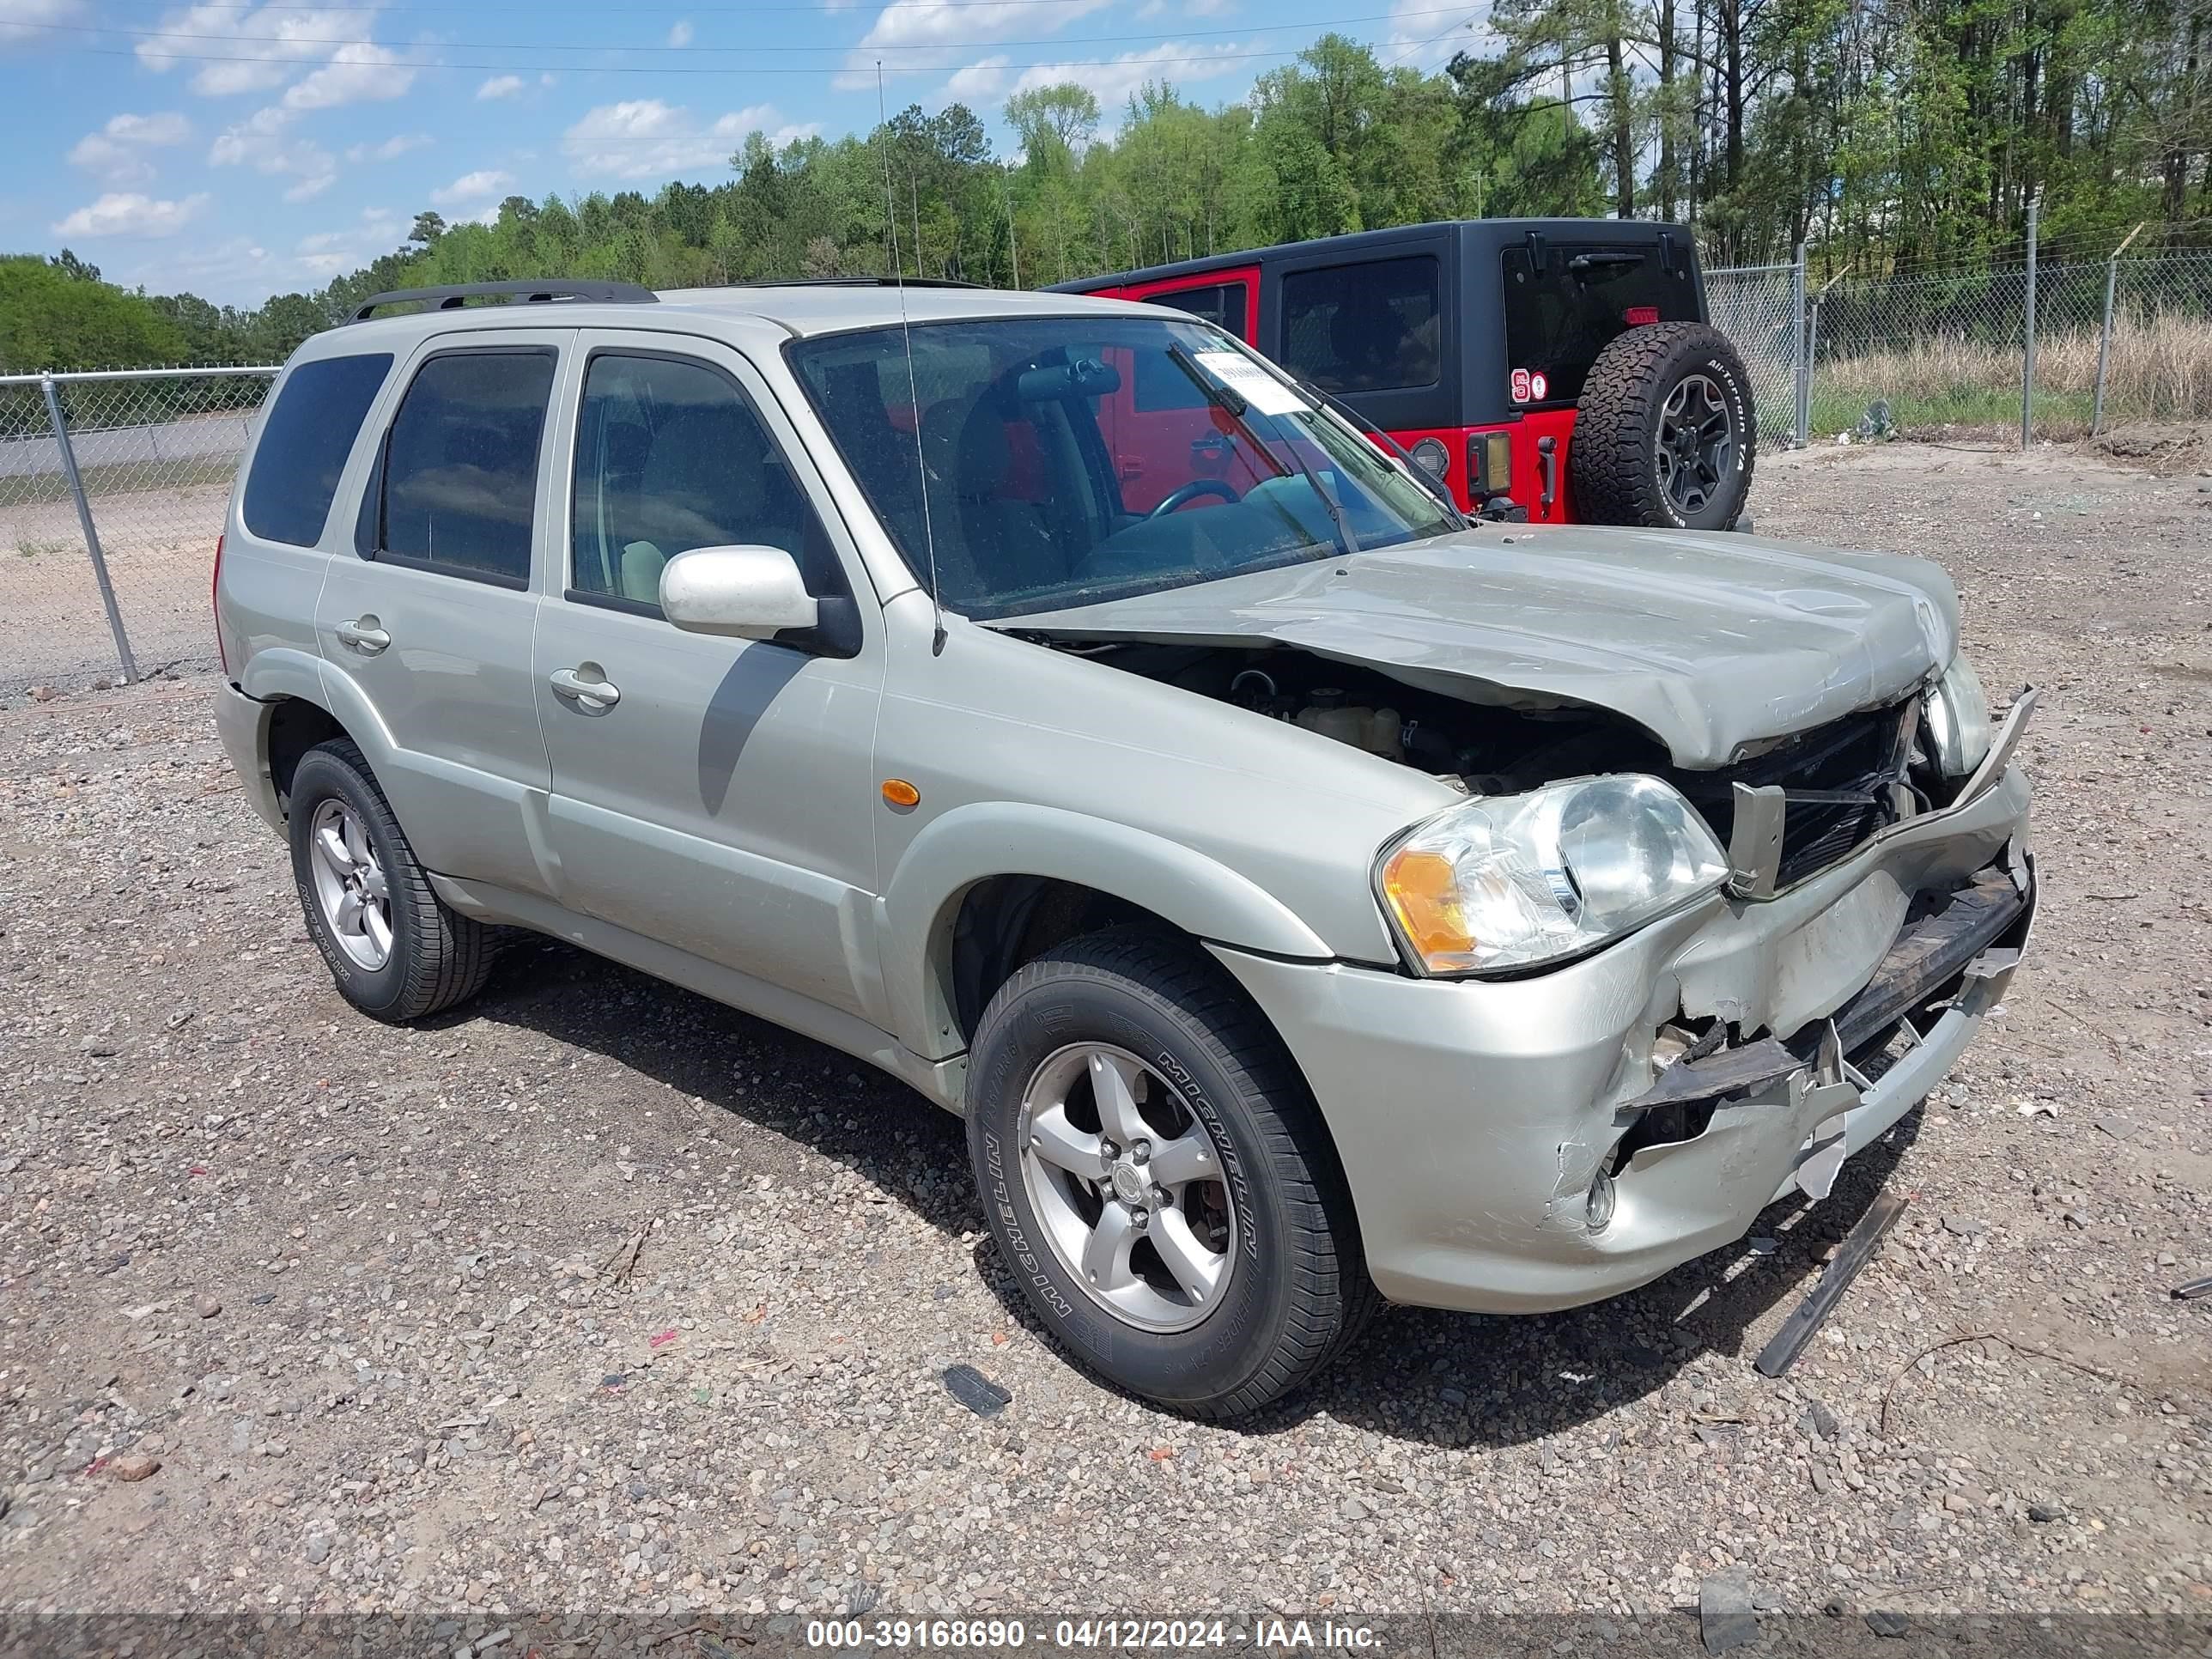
(1664, 431)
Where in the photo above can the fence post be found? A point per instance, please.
(1797, 338)
(2105, 339)
(84, 518)
(2027, 336)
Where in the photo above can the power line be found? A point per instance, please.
(318, 42)
(745, 10)
(1131, 60)
(1468, 17)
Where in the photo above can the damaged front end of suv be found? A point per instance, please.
(1659, 966)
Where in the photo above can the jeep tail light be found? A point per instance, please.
(1489, 465)
(1639, 316)
(214, 602)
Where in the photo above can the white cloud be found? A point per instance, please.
(129, 213)
(680, 35)
(979, 80)
(19, 21)
(500, 86)
(1112, 82)
(473, 187)
(245, 50)
(356, 74)
(1187, 10)
(117, 152)
(391, 149)
(932, 34)
(327, 253)
(646, 138)
(264, 142)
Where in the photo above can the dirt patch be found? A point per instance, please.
(424, 1389)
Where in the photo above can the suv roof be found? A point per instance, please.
(1476, 235)
(799, 309)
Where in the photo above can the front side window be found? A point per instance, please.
(1001, 469)
(670, 455)
(1367, 327)
(459, 487)
(309, 431)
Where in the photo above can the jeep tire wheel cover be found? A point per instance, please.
(1665, 431)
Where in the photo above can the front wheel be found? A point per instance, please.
(1157, 1177)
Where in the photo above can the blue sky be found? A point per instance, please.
(237, 150)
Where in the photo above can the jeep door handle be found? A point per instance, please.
(583, 685)
(363, 634)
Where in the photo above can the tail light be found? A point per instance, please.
(215, 604)
(1640, 316)
(1489, 465)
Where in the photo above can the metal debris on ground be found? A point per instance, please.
(1857, 1250)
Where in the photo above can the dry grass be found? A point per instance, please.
(2160, 368)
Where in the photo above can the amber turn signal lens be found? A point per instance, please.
(899, 793)
(1424, 891)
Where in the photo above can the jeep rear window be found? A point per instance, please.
(304, 445)
(1364, 327)
(1558, 319)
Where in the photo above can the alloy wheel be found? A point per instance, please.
(1128, 1186)
(1696, 443)
(350, 885)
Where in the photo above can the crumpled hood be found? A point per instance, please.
(1712, 642)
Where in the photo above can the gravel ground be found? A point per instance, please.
(599, 1296)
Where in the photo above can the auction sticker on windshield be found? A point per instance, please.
(1261, 389)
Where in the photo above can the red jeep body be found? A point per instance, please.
(1467, 341)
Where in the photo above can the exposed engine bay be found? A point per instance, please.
(1844, 781)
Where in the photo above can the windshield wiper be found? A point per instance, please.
(1434, 486)
(1233, 404)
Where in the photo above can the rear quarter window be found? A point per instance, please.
(1366, 327)
(1560, 314)
(304, 440)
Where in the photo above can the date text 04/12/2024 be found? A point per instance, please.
(1095, 1634)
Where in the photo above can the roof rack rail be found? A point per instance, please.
(854, 282)
(452, 298)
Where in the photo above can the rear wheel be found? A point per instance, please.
(1664, 431)
(394, 950)
(1157, 1177)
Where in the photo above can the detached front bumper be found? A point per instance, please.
(1473, 1117)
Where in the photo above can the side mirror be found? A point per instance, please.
(742, 593)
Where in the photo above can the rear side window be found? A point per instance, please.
(1368, 327)
(305, 440)
(458, 489)
(1160, 384)
(1560, 315)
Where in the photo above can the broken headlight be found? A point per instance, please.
(1957, 713)
(1517, 881)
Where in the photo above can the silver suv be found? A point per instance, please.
(1307, 895)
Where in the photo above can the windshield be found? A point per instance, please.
(1066, 460)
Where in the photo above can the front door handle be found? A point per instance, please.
(363, 634)
(585, 685)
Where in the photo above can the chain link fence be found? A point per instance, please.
(113, 487)
(1760, 309)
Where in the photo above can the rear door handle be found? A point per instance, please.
(585, 685)
(363, 634)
